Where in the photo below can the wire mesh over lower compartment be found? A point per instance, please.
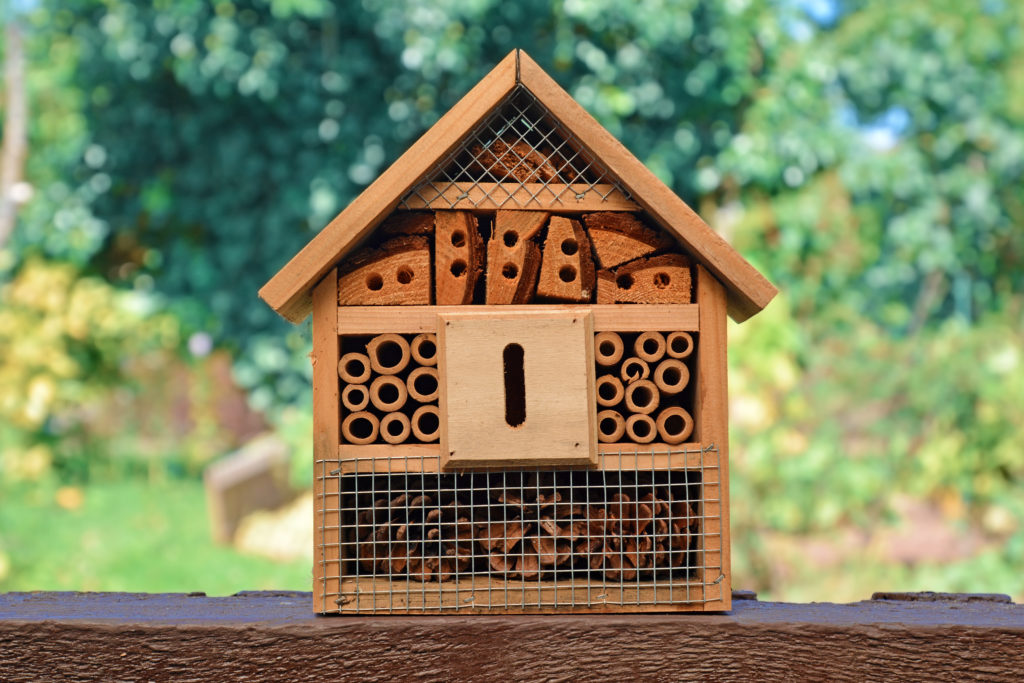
(634, 533)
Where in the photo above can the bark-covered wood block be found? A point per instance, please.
(619, 237)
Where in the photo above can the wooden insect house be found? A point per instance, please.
(519, 372)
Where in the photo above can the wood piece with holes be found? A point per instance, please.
(396, 273)
(513, 258)
(458, 257)
(658, 280)
(620, 237)
(517, 389)
(567, 268)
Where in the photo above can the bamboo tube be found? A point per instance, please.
(423, 348)
(671, 376)
(355, 397)
(610, 426)
(634, 369)
(360, 428)
(674, 425)
(388, 393)
(679, 344)
(422, 384)
(641, 428)
(650, 346)
(354, 368)
(609, 390)
(395, 428)
(608, 348)
(642, 397)
(426, 423)
(389, 353)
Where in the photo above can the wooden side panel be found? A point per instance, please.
(712, 424)
(535, 408)
(326, 424)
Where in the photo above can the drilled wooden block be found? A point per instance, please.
(567, 268)
(619, 237)
(398, 273)
(513, 259)
(657, 280)
(458, 257)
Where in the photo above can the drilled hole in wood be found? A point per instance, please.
(515, 385)
(662, 280)
(624, 281)
(511, 237)
(374, 282)
(425, 384)
(404, 275)
(361, 428)
(458, 238)
(510, 271)
(567, 274)
(389, 354)
(570, 246)
(458, 268)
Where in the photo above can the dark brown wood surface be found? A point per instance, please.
(273, 636)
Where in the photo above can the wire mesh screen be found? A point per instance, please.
(520, 155)
(640, 531)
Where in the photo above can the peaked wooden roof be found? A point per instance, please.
(288, 292)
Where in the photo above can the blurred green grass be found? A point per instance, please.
(127, 536)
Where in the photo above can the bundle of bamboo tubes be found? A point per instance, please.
(389, 389)
(641, 387)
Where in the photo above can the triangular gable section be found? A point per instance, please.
(565, 157)
(520, 156)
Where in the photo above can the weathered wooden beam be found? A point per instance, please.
(274, 636)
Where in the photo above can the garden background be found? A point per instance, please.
(162, 159)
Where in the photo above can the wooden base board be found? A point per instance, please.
(483, 595)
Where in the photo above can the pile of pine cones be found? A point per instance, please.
(428, 537)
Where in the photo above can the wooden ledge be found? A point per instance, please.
(273, 635)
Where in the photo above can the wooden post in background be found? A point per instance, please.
(712, 424)
(326, 425)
